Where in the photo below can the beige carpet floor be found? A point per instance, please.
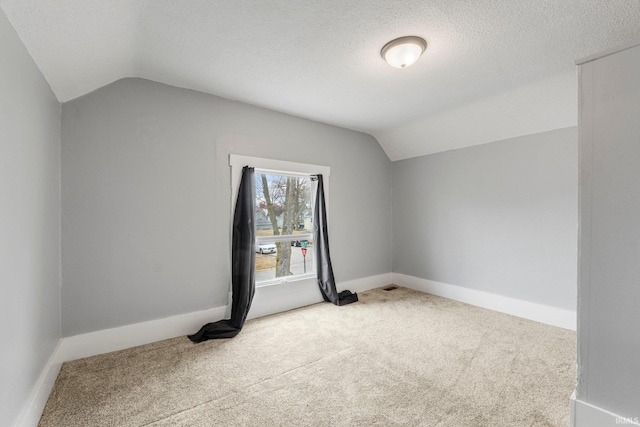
(396, 357)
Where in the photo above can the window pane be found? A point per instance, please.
(283, 208)
(293, 256)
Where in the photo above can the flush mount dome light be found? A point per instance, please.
(404, 51)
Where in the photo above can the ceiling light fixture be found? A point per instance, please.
(404, 51)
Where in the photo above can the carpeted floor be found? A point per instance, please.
(396, 357)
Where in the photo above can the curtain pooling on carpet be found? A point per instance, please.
(242, 265)
(326, 280)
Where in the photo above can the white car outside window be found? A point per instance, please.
(266, 247)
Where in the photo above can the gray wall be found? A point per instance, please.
(499, 217)
(146, 198)
(29, 223)
(609, 284)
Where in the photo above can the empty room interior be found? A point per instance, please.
(173, 175)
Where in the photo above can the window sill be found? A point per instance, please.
(283, 280)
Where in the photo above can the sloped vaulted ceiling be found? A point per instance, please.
(493, 69)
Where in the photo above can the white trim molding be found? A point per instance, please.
(277, 166)
(108, 340)
(269, 301)
(529, 310)
(114, 339)
(366, 283)
(584, 414)
(291, 295)
(105, 341)
(32, 410)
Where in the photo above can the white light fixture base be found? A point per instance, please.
(404, 51)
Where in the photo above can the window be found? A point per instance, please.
(284, 225)
(285, 194)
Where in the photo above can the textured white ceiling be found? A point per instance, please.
(492, 69)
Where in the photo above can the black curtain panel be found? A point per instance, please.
(326, 281)
(242, 265)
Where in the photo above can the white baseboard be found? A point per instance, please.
(586, 415)
(366, 283)
(289, 296)
(30, 416)
(107, 340)
(538, 312)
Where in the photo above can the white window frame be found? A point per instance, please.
(278, 167)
